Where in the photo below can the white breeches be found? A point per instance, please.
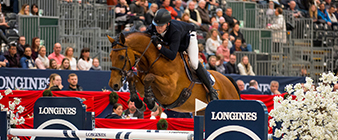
(192, 50)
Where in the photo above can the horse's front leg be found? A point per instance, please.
(148, 93)
(133, 94)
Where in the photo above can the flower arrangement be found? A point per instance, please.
(312, 114)
(13, 109)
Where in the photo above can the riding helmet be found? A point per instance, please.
(162, 17)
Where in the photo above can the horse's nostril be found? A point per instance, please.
(116, 86)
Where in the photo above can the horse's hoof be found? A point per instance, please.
(154, 108)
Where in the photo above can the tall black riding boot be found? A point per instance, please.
(203, 76)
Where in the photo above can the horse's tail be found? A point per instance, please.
(235, 84)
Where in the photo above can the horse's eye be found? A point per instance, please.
(121, 57)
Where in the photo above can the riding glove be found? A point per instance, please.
(156, 40)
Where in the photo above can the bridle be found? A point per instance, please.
(123, 72)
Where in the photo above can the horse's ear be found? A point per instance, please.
(122, 39)
(110, 39)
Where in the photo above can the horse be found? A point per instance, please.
(159, 78)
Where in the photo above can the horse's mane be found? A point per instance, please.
(126, 34)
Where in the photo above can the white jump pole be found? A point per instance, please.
(145, 130)
(98, 134)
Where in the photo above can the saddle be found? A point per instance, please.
(192, 73)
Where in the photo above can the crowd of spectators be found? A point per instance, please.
(22, 55)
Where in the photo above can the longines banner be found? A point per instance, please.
(236, 120)
(60, 113)
(27, 79)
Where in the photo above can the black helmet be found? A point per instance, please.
(162, 17)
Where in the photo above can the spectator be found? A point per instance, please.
(69, 54)
(122, 11)
(178, 8)
(204, 13)
(229, 38)
(85, 61)
(73, 83)
(313, 12)
(35, 47)
(236, 33)
(65, 64)
(295, 12)
(151, 13)
(185, 18)
(240, 85)
(137, 10)
(55, 82)
(211, 65)
(12, 57)
(303, 72)
(3, 60)
(213, 19)
(219, 64)
(35, 10)
(335, 87)
(20, 47)
(279, 29)
(274, 85)
(57, 54)
(219, 14)
(3, 27)
(117, 112)
(212, 4)
(237, 46)
(132, 111)
(245, 67)
(328, 4)
(229, 18)
(332, 16)
(224, 28)
(42, 62)
(214, 25)
(322, 14)
(213, 42)
(142, 28)
(96, 64)
(53, 64)
(24, 10)
(194, 15)
(231, 67)
(26, 60)
(253, 88)
(201, 54)
(166, 5)
(224, 50)
(221, 20)
(271, 10)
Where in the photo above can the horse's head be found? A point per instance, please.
(122, 59)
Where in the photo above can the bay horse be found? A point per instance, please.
(158, 76)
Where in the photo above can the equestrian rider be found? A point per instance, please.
(179, 36)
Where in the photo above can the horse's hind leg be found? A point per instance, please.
(148, 93)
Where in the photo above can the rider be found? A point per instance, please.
(179, 36)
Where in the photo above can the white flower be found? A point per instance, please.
(8, 91)
(20, 109)
(312, 115)
(17, 101)
(11, 105)
(1, 96)
(21, 120)
(289, 89)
